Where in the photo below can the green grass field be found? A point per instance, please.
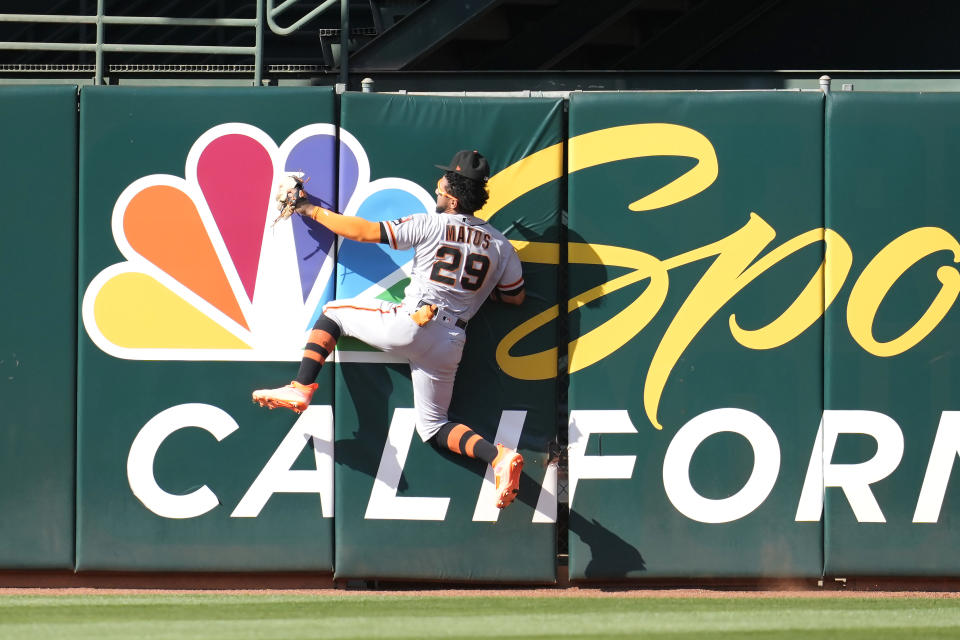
(215, 616)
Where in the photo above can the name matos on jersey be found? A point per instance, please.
(467, 235)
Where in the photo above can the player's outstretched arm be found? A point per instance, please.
(350, 227)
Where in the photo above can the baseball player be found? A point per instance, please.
(460, 261)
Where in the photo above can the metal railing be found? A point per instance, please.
(99, 47)
(273, 12)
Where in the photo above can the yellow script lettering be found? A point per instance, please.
(733, 269)
(735, 266)
(883, 271)
(820, 291)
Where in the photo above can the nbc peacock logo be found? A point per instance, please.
(208, 276)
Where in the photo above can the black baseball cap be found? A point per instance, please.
(469, 164)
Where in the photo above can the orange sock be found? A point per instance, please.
(464, 441)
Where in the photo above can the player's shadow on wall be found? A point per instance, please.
(362, 449)
(584, 272)
(323, 237)
(611, 556)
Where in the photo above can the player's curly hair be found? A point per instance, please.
(471, 194)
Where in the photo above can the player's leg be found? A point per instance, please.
(464, 441)
(297, 395)
(432, 391)
(374, 321)
(320, 344)
(507, 464)
(381, 324)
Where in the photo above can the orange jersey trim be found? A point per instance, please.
(513, 285)
(350, 306)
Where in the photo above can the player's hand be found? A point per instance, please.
(301, 204)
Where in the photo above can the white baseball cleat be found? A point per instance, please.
(294, 396)
(506, 471)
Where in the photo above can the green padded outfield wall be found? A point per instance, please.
(696, 324)
(190, 300)
(431, 515)
(892, 427)
(38, 274)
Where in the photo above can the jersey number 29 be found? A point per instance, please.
(447, 266)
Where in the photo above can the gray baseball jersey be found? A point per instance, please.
(458, 260)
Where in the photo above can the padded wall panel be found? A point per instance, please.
(38, 145)
(402, 138)
(190, 300)
(695, 224)
(893, 365)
